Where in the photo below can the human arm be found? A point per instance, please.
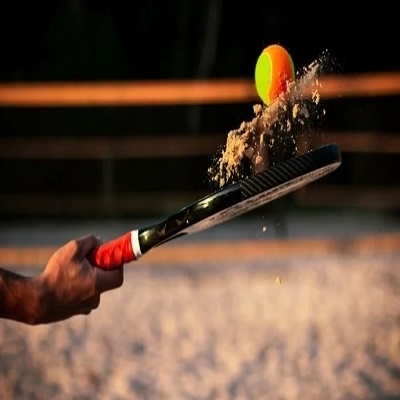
(68, 286)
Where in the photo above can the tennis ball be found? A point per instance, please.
(274, 70)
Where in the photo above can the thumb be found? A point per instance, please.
(85, 244)
(109, 279)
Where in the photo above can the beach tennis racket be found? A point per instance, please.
(222, 205)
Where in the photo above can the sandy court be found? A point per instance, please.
(190, 327)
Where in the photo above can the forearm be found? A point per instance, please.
(19, 297)
(68, 286)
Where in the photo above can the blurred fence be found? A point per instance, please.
(105, 150)
(179, 92)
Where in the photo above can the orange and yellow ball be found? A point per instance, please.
(274, 70)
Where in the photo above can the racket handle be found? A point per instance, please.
(113, 254)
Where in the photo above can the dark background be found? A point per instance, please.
(103, 40)
(128, 40)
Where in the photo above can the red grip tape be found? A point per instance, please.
(113, 254)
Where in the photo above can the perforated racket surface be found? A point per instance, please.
(220, 206)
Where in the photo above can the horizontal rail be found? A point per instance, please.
(110, 147)
(174, 145)
(361, 142)
(98, 204)
(317, 194)
(125, 93)
(179, 92)
(374, 198)
(38, 256)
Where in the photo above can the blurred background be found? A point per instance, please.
(68, 153)
(110, 114)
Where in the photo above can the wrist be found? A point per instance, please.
(28, 301)
(21, 297)
(36, 310)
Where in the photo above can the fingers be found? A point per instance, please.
(104, 279)
(85, 244)
(109, 279)
(93, 302)
(89, 305)
(82, 308)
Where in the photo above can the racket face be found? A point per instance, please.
(244, 196)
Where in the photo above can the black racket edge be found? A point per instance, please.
(220, 201)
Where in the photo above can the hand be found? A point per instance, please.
(70, 285)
